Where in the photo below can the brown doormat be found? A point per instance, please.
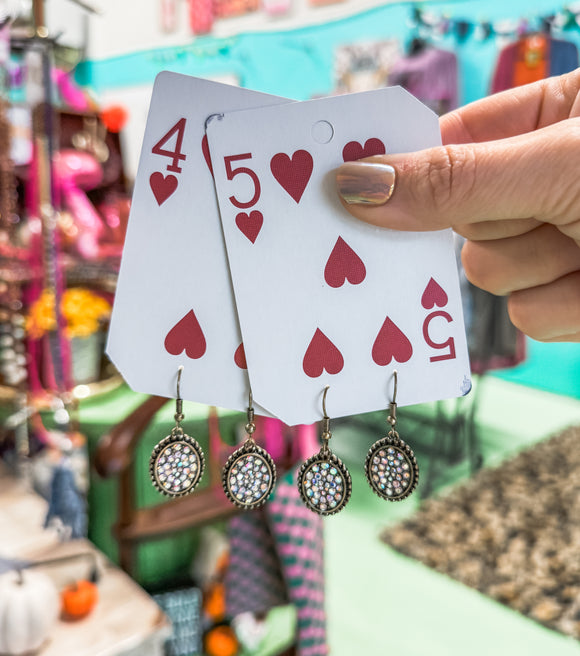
(512, 532)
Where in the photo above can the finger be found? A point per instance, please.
(549, 312)
(564, 338)
(536, 258)
(513, 112)
(496, 229)
(532, 175)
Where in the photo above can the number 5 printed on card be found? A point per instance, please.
(248, 224)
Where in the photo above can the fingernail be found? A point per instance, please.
(365, 183)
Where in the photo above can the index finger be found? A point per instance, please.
(514, 112)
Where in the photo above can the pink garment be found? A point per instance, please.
(431, 76)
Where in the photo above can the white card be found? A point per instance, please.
(174, 303)
(322, 298)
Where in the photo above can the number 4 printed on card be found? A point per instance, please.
(163, 186)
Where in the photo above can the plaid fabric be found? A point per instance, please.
(183, 607)
(254, 581)
(299, 541)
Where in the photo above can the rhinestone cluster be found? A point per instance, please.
(325, 485)
(391, 470)
(249, 478)
(176, 467)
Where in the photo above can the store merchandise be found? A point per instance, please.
(254, 578)
(177, 462)
(249, 475)
(333, 319)
(299, 537)
(430, 74)
(29, 609)
(365, 65)
(390, 466)
(195, 330)
(324, 482)
(183, 607)
(533, 57)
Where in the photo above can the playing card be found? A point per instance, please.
(174, 303)
(322, 298)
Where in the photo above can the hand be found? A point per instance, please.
(508, 179)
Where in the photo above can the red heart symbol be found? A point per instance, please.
(353, 150)
(162, 186)
(322, 354)
(433, 295)
(391, 343)
(293, 174)
(186, 335)
(205, 151)
(344, 264)
(250, 224)
(240, 357)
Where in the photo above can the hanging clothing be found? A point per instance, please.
(431, 76)
(276, 557)
(533, 58)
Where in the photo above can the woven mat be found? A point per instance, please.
(512, 532)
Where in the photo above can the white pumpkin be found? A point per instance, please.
(29, 608)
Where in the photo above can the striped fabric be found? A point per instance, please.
(299, 540)
(254, 580)
(276, 557)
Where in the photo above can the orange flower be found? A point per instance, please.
(82, 310)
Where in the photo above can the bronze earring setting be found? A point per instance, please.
(177, 462)
(324, 482)
(390, 466)
(249, 475)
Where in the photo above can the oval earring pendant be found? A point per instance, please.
(324, 483)
(176, 465)
(249, 476)
(391, 468)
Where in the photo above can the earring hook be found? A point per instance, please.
(325, 419)
(179, 401)
(250, 426)
(179, 371)
(324, 393)
(392, 417)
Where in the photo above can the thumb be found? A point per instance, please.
(530, 175)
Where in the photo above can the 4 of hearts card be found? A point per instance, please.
(323, 299)
(174, 304)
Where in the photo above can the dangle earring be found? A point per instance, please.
(249, 475)
(390, 466)
(324, 481)
(177, 462)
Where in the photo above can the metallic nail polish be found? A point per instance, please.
(365, 183)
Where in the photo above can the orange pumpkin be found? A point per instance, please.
(79, 599)
(221, 641)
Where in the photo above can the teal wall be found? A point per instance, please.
(298, 63)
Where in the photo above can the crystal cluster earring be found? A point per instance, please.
(249, 475)
(177, 462)
(390, 466)
(324, 482)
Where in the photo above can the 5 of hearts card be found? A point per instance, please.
(323, 299)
